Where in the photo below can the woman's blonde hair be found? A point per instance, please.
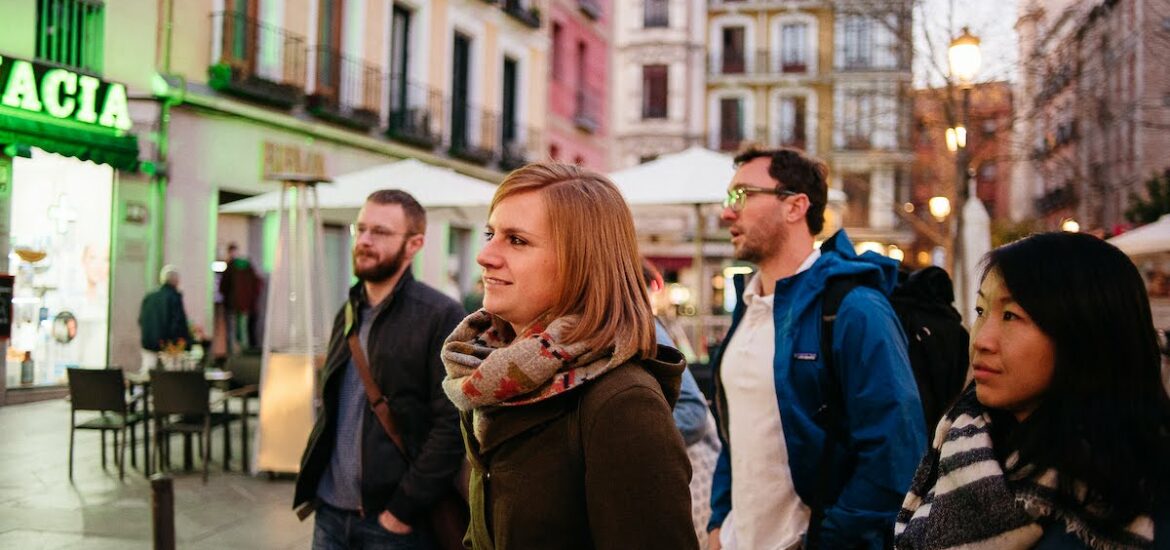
(598, 264)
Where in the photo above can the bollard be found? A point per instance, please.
(162, 498)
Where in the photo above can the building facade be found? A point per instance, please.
(73, 208)
(658, 91)
(1093, 107)
(935, 174)
(335, 86)
(830, 77)
(220, 95)
(578, 75)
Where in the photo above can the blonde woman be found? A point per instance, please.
(564, 395)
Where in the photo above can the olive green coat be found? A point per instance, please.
(601, 466)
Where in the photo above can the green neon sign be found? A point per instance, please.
(63, 94)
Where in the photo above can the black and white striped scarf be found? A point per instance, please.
(961, 498)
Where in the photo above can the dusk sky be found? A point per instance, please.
(938, 21)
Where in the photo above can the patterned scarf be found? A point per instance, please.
(961, 497)
(488, 367)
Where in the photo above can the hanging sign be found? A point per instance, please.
(280, 158)
(62, 94)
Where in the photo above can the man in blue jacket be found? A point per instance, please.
(771, 381)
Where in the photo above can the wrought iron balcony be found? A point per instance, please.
(416, 114)
(257, 61)
(587, 115)
(764, 62)
(591, 8)
(520, 149)
(528, 15)
(347, 90)
(475, 133)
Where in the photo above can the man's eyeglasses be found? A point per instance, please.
(376, 231)
(737, 196)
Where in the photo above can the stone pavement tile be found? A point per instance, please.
(41, 508)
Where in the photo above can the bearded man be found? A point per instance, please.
(782, 388)
(365, 491)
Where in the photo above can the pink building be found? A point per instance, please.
(578, 121)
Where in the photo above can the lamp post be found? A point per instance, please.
(964, 59)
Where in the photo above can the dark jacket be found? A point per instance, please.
(601, 466)
(403, 354)
(871, 470)
(162, 318)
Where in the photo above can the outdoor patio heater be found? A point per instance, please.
(296, 331)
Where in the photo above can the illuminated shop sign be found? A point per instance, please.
(63, 94)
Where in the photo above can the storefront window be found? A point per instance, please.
(60, 254)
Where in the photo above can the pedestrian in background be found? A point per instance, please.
(162, 319)
(1063, 438)
(693, 419)
(375, 485)
(564, 396)
(814, 454)
(239, 286)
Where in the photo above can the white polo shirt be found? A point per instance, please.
(768, 512)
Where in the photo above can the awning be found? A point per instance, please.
(121, 152)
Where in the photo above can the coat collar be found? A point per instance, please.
(357, 294)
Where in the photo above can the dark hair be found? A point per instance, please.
(796, 171)
(1105, 419)
(416, 215)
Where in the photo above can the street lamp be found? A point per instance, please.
(964, 59)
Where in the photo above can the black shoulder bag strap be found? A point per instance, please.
(831, 415)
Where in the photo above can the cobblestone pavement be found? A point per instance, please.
(40, 508)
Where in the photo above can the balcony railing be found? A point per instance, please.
(587, 115)
(591, 8)
(762, 63)
(475, 133)
(416, 114)
(520, 149)
(347, 90)
(527, 15)
(257, 61)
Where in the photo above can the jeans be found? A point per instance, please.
(337, 529)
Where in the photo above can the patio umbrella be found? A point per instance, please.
(694, 178)
(1147, 239)
(433, 186)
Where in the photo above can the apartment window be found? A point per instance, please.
(554, 152)
(856, 188)
(656, 13)
(508, 110)
(654, 90)
(329, 47)
(557, 49)
(733, 50)
(857, 119)
(460, 92)
(857, 41)
(730, 123)
(794, 47)
(794, 122)
(399, 57)
(71, 32)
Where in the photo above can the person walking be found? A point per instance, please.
(370, 489)
(162, 319)
(240, 287)
(564, 397)
(1062, 440)
(817, 451)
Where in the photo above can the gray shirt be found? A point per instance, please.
(341, 485)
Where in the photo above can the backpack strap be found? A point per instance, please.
(831, 415)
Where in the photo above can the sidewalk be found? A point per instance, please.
(39, 508)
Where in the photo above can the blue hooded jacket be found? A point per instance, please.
(871, 470)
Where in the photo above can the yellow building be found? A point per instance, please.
(829, 77)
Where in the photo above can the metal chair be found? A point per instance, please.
(103, 391)
(182, 404)
(244, 384)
